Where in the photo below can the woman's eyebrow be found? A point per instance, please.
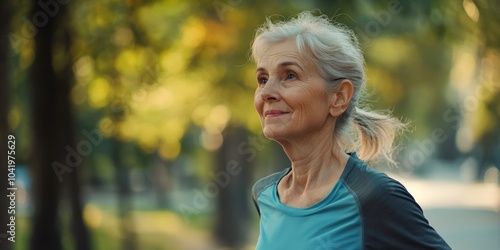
(260, 69)
(290, 63)
(283, 65)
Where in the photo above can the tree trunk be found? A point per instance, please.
(48, 144)
(122, 173)
(233, 181)
(79, 229)
(52, 131)
(5, 11)
(160, 181)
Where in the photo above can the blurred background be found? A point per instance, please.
(135, 129)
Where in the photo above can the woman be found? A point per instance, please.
(310, 78)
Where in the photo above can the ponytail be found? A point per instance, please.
(375, 133)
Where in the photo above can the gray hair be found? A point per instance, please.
(335, 50)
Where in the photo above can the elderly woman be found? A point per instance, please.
(310, 78)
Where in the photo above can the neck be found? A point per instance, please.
(316, 160)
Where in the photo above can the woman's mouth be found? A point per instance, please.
(274, 113)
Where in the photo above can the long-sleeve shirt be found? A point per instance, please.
(366, 209)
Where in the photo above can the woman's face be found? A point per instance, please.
(291, 98)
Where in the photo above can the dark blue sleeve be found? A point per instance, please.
(390, 215)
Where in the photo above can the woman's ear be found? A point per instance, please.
(341, 98)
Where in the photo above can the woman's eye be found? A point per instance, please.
(291, 76)
(262, 80)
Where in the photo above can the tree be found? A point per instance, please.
(4, 126)
(53, 132)
(233, 178)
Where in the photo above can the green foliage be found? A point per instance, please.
(146, 71)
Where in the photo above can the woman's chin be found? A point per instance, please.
(268, 134)
(273, 134)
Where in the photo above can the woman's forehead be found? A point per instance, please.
(284, 53)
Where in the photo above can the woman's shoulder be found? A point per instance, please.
(388, 209)
(370, 185)
(264, 183)
(267, 181)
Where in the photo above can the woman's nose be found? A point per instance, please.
(270, 92)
